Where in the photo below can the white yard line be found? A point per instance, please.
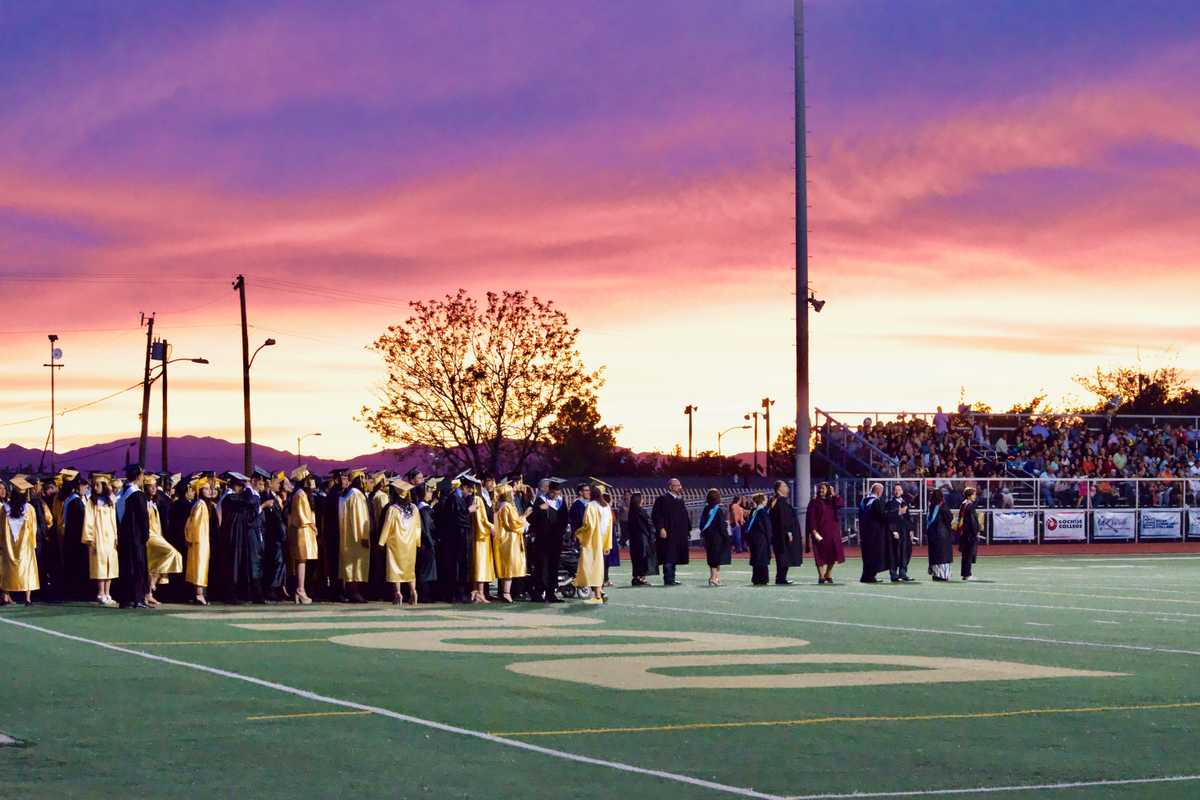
(1041, 787)
(1105, 622)
(1040, 624)
(1140, 648)
(383, 712)
(889, 597)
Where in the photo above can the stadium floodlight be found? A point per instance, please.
(816, 304)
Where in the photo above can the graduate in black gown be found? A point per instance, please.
(758, 538)
(547, 527)
(452, 531)
(240, 566)
(75, 552)
(899, 536)
(427, 553)
(275, 547)
(643, 552)
(133, 531)
(49, 551)
(872, 530)
(786, 540)
(177, 517)
(329, 547)
(674, 530)
(714, 532)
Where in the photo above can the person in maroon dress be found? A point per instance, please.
(821, 523)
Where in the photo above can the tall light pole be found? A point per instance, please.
(162, 352)
(299, 439)
(689, 411)
(55, 355)
(803, 465)
(748, 416)
(766, 404)
(149, 323)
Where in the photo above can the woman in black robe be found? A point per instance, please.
(640, 530)
(426, 554)
(177, 517)
(758, 537)
(938, 537)
(75, 553)
(968, 538)
(274, 557)
(714, 531)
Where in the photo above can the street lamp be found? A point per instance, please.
(299, 439)
(689, 411)
(247, 456)
(754, 414)
(727, 430)
(267, 343)
(164, 351)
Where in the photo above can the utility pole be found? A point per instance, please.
(803, 435)
(689, 411)
(239, 285)
(766, 404)
(748, 416)
(165, 356)
(149, 323)
(55, 355)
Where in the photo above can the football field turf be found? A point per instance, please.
(1051, 676)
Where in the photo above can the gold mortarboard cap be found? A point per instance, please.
(20, 482)
(68, 474)
(299, 473)
(402, 485)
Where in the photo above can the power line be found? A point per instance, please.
(97, 401)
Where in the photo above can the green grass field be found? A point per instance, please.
(369, 701)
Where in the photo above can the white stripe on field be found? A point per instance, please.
(383, 712)
(1042, 787)
(1140, 648)
(889, 597)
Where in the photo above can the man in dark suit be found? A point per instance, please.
(872, 525)
(786, 541)
(674, 528)
(133, 531)
(899, 535)
(547, 527)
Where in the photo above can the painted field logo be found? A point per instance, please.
(582, 650)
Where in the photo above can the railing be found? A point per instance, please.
(836, 435)
(1096, 421)
(1059, 510)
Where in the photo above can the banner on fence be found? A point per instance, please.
(1064, 526)
(1161, 524)
(1114, 524)
(1194, 523)
(1013, 526)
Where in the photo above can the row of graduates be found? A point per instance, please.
(887, 535)
(771, 532)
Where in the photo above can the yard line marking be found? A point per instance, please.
(970, 626)
(1105, 622)
(1040, 624)
(997, 789)
(1141, 648)
(1089, 584)
(1090, 596)
(228, 641)
(889, 597)
(310, 714)
(788, 723)
(383, 712)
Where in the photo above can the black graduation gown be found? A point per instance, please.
(715, 533)
(274, 558)
(378, 587)
(547, 526)
(643, 553)
(175, 532)
(451, 530)
(49, 554)
(670, 512)
(872, 525)
(900, 550)
(938, 536)
(329, 546)
(758, 538)
(76, 568)
(241, 544)
(133, 531)
(427, 553)
(786, 531)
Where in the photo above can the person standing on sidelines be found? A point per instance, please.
(938, 537)
(968, 533)
(758, 537)
(643, 550)
(674, 528)
(899, 537)
(595, 540)
(18, 554)
(872, 528)
(821, 520)
(133, 534)
(787, 543)
(714, 532)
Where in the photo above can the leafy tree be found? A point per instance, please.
(579, 443)
(479, 385)
(1134, 390)
(781, 458)
(1038, 404)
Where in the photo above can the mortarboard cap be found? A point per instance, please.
(102, 477)
(20, 482)
(259, 472)
(300, 473)
(234, 476)
(402, 485)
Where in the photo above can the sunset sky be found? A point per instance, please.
(1004, 193)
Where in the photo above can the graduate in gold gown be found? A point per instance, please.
(196, 532)
(302, 530)
(354, 535)
(508, 536)
(595, 540)
(162, 559)
(400, 536)
(18, 555)
(100, 535)
(483, 570)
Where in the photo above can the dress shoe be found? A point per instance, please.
(784, 583)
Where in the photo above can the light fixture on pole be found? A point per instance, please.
(754, 414)
(689, 412)
(766, 404)
(162, 352)
(727, 430)
(299, 439)
(55, 355)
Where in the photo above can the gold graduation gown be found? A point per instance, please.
(161, 558)
(354, 536)
(18, 557)
(195, 532)
(401, 536)
(595, 539)
(509, 533)
(100, 531)
(483, 570)
(302, 528)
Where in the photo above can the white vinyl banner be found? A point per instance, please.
(1194, 523)
(1113, 524)
(1162, 524)
(1064, 526)
(1013, 526)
